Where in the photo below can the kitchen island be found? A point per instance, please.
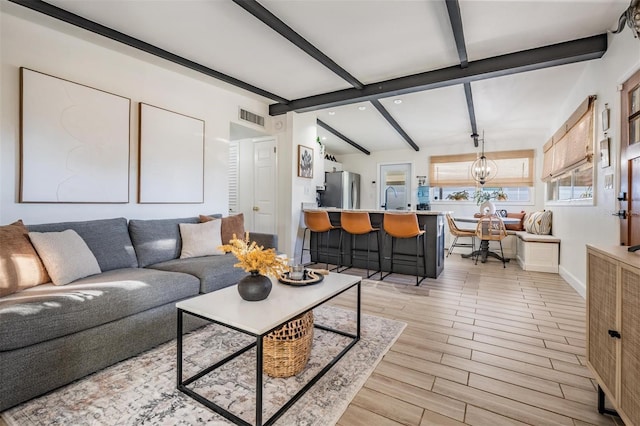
(431, 221)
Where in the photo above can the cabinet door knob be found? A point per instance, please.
(614, 333)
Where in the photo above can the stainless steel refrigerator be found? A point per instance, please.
(342, 190)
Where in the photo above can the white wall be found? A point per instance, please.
(578, 226)
(301, 130)
(58, 49)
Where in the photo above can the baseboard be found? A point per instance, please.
(577, 285)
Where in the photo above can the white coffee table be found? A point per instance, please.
(258, 319)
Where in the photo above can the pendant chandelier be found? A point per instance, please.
(483, 169)
(631, 17)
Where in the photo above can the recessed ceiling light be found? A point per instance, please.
(332, 113)
(324, 138)
(362, 108)
(397, 101)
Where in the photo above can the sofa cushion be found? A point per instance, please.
(201, 239)
(264, 240)
(231, 225)
(157, 240)
(46, 311)
(108, 239)
(214, 272)
(516, 226)
(65, 255)
(20, 265)
(536, 238)
(538, 222)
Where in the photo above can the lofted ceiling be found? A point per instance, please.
(406, 60)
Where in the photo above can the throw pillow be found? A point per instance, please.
(516, 226)
(538, 222)
(201, 239)
(230, 225)
(65, 255)
(20, 266)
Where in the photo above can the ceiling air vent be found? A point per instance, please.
(251, 117)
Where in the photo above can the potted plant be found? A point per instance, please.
(500, 195)
(481, 196)
(460, 195)
(259, 262)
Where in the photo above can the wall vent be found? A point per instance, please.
(251, 117)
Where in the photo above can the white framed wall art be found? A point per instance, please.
(74, 142)
(171, 160)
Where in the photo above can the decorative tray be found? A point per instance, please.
(310, 277)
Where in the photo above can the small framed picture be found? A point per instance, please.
(305, 161)
(605, 118)
(604, 153)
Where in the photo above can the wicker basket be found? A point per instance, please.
(287, 349)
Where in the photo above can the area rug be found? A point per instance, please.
(142, 390)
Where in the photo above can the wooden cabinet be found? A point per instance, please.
(613, 326)
(630, 343)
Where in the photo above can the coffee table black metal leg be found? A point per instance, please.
(179, 348)
(358, 313)
(259, 360)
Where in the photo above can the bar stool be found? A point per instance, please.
(318, 222)
(405, 226)
(359, 223)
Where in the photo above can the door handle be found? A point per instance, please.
(256, 208)
(614, 334)
(622, 214)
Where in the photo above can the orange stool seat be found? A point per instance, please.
(405, 226)
(319, 222)
(359, 223)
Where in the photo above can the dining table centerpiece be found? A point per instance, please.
(259, 262)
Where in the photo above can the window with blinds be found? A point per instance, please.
(572, 145)
(567, 164)
(515, 169)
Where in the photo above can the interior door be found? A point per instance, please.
(634, 202)
(264, 188)
(630, 160)
(395, 186)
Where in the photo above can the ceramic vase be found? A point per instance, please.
(254, 287)
(487, 208)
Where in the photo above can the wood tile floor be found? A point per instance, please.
(484, 345)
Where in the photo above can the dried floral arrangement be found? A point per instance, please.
(252, 257)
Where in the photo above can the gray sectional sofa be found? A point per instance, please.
(52, 335)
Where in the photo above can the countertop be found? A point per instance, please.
(420, 212)
(619, 253)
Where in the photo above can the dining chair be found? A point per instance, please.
(491, 228)
(457, 233)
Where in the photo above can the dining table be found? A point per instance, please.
(483, 251)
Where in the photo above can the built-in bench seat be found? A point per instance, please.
(537, 252)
